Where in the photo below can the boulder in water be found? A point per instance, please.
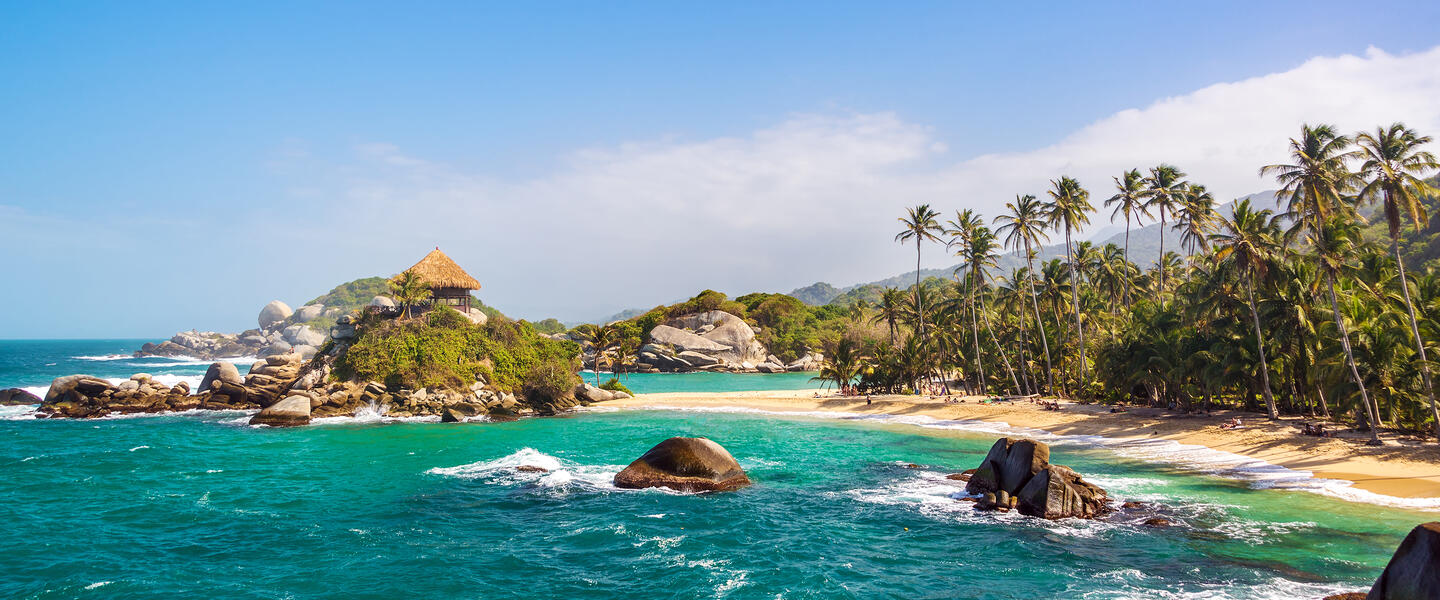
(684, 464)
(221, 371)
(1021, 470)
(1414, 570)
(292, 411)
(16, 397)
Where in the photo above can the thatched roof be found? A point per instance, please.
(438, 271)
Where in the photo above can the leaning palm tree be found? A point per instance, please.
(1023, 229)
(1394, 166)
(922, 225)
(1247, 243)
(1163, 189)
(409, 290)
(1069, 209)
(982, 258)
(1314, 188)
(1129, 200)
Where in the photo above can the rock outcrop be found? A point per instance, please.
(711, 341)
(1414, 570)
(684, 464)
(1017, 474)
(292, 411)
(17, 397)
(274, 313)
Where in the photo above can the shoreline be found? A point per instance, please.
(1409, 474)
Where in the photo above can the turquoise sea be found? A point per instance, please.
(201, 504)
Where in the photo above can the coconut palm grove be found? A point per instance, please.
(1322, 305)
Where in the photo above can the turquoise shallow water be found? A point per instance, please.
(179, 505)
(195, 504)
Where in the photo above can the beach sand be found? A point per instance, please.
(1405, 469)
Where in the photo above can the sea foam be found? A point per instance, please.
(1258, 473)
(558, 474)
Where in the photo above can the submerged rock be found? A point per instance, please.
(684, 464)
(292, 411)
(1414, 571)
(1019, 470)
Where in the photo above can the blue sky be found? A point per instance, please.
(169, 166)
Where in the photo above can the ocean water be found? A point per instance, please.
(200, 503)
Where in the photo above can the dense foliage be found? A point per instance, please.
(354, 294)
(1308, 311)
(444, 349)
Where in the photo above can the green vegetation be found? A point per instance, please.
(614, 385)
(355, 294)
(1310, 311)
(444, 349)
(550, 326)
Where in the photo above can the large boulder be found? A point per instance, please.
(1021, 469)
(684, 464)
(292, 411)
(17, 396)
(1414, 570)
(83, 385)
(221, 371)
(590, 393)
(698, 359)
(460, 412)
(685, 341)
(382, 302)
(273, 313)
(728, 330)
(309, 312)
(1057, 492)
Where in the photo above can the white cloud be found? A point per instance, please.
(816, 197)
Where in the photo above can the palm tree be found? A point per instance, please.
(1024, 228)
(1393, 166)
(962, 233)
(891, 303)
(1069, 209)
(1247, 242)
(1195, 217)
(409, 290)
(982, 257)
(922, 225)
(601, 340)
(1314, 187)
(842, 363)
(1162, 192)
(1129, 200)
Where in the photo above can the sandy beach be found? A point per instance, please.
(1400, 468)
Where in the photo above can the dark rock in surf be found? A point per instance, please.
(17, 397)
(1414, 571)
(684, 464)
(1018, 473)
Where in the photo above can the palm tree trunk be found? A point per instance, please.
(1260, 344)
(1415, 329)
(1161, 263)
(1127, 260)
(919, 310)
(1350, 360)
(1075, 299)
(1003, 357)
(975, 329)
(1039, 324)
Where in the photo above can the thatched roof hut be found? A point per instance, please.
(449, 284)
